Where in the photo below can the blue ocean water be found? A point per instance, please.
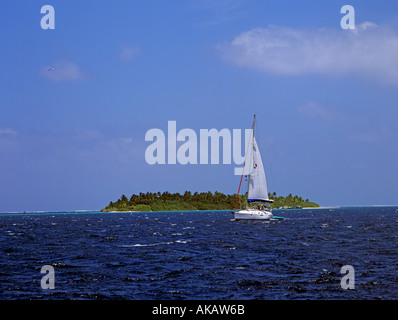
(200, 255)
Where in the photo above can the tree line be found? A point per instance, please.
(166, 201)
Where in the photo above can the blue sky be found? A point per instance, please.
(74, 137)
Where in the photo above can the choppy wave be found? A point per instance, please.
(200, 255)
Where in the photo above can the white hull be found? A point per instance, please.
(251, 214)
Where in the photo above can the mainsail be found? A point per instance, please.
(257, 182)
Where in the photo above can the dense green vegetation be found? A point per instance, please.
(197, 201)
(291, 201)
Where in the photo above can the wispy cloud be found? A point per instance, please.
(129, 53)
(8, 132)
(9, 144)
(318, 111)
(89, 146)
(370, 135)
(369, 51)
(85, 146)
(219, 12)
(64, 71)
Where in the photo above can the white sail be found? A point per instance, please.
(257, 183)
(257, 189)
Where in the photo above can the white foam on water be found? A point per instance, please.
(182, 241)
(151, 244)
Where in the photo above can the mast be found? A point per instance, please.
(244, 164)
(251, 162)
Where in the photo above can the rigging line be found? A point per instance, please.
(244, 163)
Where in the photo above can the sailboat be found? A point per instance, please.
(258, 205)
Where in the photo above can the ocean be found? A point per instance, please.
(201, 255)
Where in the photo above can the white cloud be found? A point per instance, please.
(64, 71)
(369, 51)
(129, 53)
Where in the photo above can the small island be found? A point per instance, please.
(197, 201)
